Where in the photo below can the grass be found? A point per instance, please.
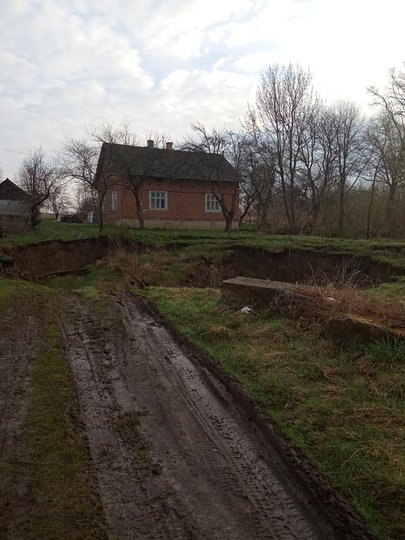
(92, 277)
(57, 452)
(395, 289)
(205, 242)
(343, 408)
(51, 456)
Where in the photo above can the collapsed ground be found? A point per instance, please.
(342, 405)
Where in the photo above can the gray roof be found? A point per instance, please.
(167, 164)
(11, 192)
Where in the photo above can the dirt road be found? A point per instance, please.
(174, 456)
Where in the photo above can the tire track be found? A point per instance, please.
(173, 456)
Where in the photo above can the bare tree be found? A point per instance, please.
(39, 177)
(108, 132)
(393, 100)
(84, 202)
(211, 149)
(352, 152)
(260, 162)
(58, 201)
(318, 162)
(389, 153)
(283, 103)
(389, 142)
(80, 159)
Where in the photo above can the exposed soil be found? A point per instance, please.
(175, 455)
(295, 266)
(15, 364)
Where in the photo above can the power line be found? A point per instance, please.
(12, 150)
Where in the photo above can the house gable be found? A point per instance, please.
(11, 192)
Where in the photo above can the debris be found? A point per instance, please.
(246, 309)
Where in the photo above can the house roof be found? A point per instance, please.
(167, 164)
(11, 192)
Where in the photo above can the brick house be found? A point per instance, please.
(171, 189)
(15, 205)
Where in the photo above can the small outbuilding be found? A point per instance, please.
(15, 205)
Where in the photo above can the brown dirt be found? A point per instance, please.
(16, 349)
(297, 266)
(176, 455)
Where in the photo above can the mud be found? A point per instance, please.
(16, 350)
(176, 456)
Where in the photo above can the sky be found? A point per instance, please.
(68, 65)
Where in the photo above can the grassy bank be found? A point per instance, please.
(384, 251)
(343, 408)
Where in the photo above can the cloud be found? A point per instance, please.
(69, 64)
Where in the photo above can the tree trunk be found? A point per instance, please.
(286, 206)
(139, 212)
(311, 219)
(243, 214)
(391, 210)
(33, 216)
(262, 218)
(100, 216)
(341, 217)
(370, 208)
(228, 221)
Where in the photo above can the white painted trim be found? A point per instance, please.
(166, 200)
(206, 204)
(114, 201)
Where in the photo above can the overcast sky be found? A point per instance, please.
(163, 64)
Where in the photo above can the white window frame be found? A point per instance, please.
(152, 195)
(210, 200)
(114, 201)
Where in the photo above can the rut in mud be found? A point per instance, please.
(174, 456)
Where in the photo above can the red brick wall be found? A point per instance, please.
(185, 201)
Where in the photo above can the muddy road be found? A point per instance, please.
(174, 456)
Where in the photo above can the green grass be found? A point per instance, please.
(204, 242)
(91, 277)
(50, 230)
(343, 408)
(396, 289)
(57, 452)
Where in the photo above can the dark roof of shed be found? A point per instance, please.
(170, 164)
(11, 192)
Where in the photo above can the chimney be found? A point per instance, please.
(151, 144)
(169, 146)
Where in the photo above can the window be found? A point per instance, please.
(114, 201)
(211, 203)
(158, 200)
